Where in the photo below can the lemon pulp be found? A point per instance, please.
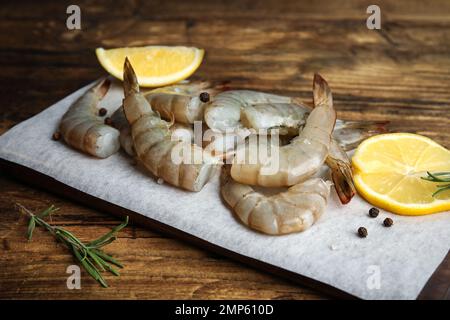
(154, 65)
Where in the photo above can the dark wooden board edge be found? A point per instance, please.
(43, 181)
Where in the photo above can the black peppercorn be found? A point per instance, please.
(204, 97)
(373, 212)
(388, 222)
(362, 232)
(102, 112)
(108, 121)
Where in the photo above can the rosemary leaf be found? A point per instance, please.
(439, 177)
(67, 241)
(91, 257)
(112, 270)
(108, 267)
(443, 185)
(441, 189)
(31, 226)
(48, 211)
(109, 234)
(104, 243)
(92, 271)
(88, 260)
(70, 236)
(108, 258)
(97, 260)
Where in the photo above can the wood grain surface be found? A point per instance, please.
(400, 73)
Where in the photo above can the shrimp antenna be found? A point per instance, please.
(130, 82)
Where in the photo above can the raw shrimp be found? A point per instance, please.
(231, 111)
(179, 131)
(261, 111)
(82, 127)
(347, 135)
(185, 101)
(289, 118)
(153, 145)
(223, 113)
(303, 156)
(291, 211)
(223, 117)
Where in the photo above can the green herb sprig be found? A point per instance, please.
(440, 177)
(90, 255)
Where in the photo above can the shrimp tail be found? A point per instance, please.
(130, 82)
(322, 95)
(133, 105)
(337, 159)
(341, 174)
(322, 92)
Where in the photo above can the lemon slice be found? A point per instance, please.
(388, 170)
(154, 65)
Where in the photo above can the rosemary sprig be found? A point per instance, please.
(91, 257)
(440, 177)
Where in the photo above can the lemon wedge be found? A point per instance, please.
(388, 171)
(154, 65)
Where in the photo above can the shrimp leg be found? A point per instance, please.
(83, 129)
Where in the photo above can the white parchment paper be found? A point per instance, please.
(390, 263)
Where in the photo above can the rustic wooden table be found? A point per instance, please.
(400, 73)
